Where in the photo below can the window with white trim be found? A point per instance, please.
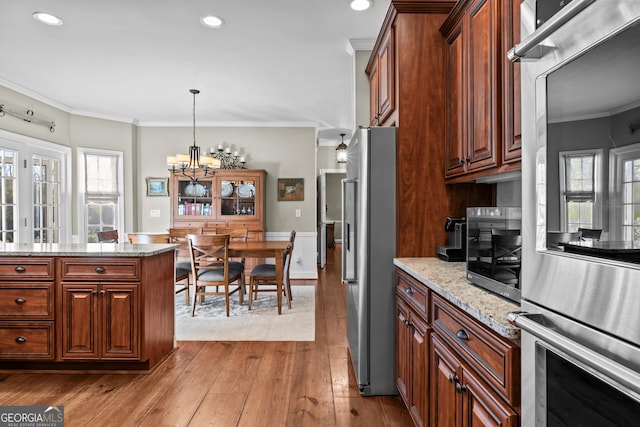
(101, 187)
(8, 195)
(580, 189)
(625, 175)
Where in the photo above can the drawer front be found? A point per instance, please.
(493, 359)
(33, 268)
(26, 340)
(413, 292)
(99, 269)
(26, 301)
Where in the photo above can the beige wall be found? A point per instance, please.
(282, 152)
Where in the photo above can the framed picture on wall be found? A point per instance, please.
(290, 189)
(157, 187)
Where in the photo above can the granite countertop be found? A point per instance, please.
(449, 280)
(85, 249)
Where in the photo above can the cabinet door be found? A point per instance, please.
(419, 396)
(80, 321)
(237, 197)
(445, 376)
(455, 122)
(120, 319)
(373, 94)
(512, 145)
(193, 200)
(481, 407)
(386, 77)
(481, 32)
(403, 336)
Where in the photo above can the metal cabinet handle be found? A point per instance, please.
(20, 269)
(20, 300)
(460, 388)
(102, 292)
(409, 291)
(462, 334)
(100, 270)
(21, 340)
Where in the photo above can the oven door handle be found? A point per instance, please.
(594, 360)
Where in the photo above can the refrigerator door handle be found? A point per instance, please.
(349, 272)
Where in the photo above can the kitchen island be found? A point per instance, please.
(86, 307)
(457, 356)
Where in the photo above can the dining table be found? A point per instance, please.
(263, 249)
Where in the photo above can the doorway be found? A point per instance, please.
(329, 209)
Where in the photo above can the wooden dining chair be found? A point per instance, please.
(107, 236)
(235, 235)
(265, 275)
(210, 267)
(181, 273)
(183, 261)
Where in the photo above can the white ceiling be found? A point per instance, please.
(274, 62)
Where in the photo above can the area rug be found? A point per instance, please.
(262, 323)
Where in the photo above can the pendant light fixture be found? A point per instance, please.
(341, 150)
(193, 165)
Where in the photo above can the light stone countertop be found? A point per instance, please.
(449, 280)
(85, 249)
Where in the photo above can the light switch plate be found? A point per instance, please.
(298, 213)
(154, 213)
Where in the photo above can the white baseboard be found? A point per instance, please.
(304, 260)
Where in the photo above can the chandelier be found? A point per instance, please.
(193, 165)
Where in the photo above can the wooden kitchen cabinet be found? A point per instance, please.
(26, 309)
(381, 73)
(407, 76)
(483, 99)
(100, 321)
(450, 369)
(458, 399)
(412, 347)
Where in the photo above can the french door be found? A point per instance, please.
(34, 189)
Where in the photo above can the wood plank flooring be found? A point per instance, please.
(227, 383)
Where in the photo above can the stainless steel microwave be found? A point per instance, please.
(494, 247)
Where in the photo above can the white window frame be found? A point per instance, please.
(26, 147)
(82, 174)
(597, 213)
(617, 157)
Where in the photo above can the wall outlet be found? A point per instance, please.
(154, 213)
(298, 213)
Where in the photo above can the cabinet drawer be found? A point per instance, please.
(413, 292)
(494, 359)
(26, 340)
(34, 268)
(99, 269)
(26, 301)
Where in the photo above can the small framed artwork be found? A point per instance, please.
(157, 186)
(290, 189)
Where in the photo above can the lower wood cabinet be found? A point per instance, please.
(412, 362)
(100, 321)
(450, 369)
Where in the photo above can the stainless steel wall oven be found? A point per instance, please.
(580, 316)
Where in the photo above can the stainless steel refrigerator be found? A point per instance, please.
(368, 249)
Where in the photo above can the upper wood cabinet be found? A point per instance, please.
(483, 93)
(231, 197)
(406, 70)
(382, 80)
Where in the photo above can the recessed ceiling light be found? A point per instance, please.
(212, 21)
(47, 18)
(360, 5)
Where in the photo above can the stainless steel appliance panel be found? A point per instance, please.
(369, 237)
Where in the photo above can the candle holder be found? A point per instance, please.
(227, 159)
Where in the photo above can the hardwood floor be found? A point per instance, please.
(227, 383)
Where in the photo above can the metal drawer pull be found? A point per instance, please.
(462, 334)
(409, 291)
(100, 270)
(460, 388)
(20, 300)
(21, 340)
(20, 269)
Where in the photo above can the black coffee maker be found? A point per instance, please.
(456, 249)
